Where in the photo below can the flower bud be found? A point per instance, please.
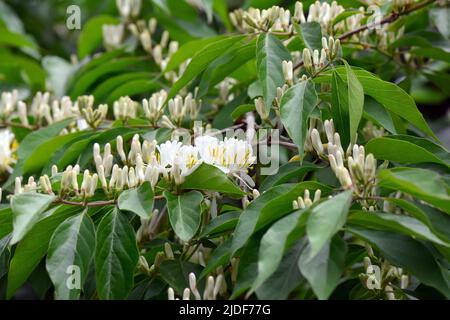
(261, 108)
(316, 142)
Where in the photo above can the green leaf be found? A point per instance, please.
(248, 267)
(32, 248)
(208, 177)
(286, 277)
(138, 200)
(241, 110)
(439, 16)
(412, 255)
(116, 256)
(326, 219)
(388, 94)
(133, 88)
(297, 104)
(408, 149)
(436, 220)
(273, 245)
(85, 80)
(106, 87)
(287, 172)
(340, 108)
(176, 274)
(184, 213)
(43, 153)
(421, 183)
(432, 53)
(92, 34)
(6, 222)
(201, 61)
(397, 223)
(270, 206)
(378, 114)
(225, 65)
(324, 270)
(310, 34)
(27, 210)
(355, 100)
(270, 53)
(222, 223)
(188, 50)
(72, 244)
(219, 257)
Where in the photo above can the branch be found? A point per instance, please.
(391, 18)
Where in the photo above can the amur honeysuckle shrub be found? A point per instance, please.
(198, 150)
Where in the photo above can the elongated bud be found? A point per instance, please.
(316, 142)
(307, 60)
(54, 170)
(168, 251)
(404, 283)
(74, 180)
(170, 294)
(193, 286)
(22, 109)
(261, 108)
(317, 195)
(299, 16)
(186, 294)
(120, 150)
(288, 72)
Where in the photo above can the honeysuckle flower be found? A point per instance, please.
(168, 152)
(112, 35)
(6, 151)
(232, 156)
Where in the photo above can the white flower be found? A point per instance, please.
(168, 151)
(230, 156)
(6, 158)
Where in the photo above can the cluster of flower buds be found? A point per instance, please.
(6, 152)
(371, 131)
(381, 278)
(254, 20)
(179, 108)
(113, 35)
(30, 186)
(93, 117)
(144, 31)
(129, 8)
(153, 107)
(42, 110)
(69, 180)
(315, 60)
(305, 201)
(386, 36)
(125, 108)
(212, 288)
(324, 13)
(277, 19)
(357, 172)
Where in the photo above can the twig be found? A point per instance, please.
(87, 204)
